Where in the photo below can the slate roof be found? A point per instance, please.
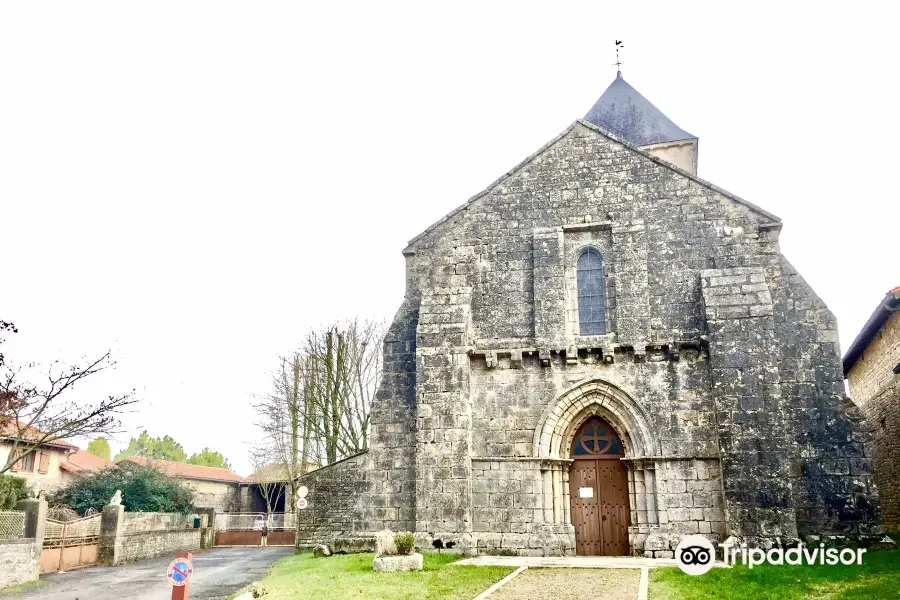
(888, 306)
(186, 471)
(623, 111)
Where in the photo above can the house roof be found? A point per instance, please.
(601, 131)
(186, 471)
(277, 473)
(626, 113)
(889, 305)
(14, 429)
(81, 461)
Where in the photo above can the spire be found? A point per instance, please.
(623, 111)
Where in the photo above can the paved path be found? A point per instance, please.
(578, 562)
(218, 573)
(566, 584)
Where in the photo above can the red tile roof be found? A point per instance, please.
(11, 430)
(186, 471)
(84, 462)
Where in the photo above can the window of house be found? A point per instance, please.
(591, 294)
(28, 462)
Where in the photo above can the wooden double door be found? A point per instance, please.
(598, 492)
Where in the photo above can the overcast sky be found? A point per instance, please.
(195, 184)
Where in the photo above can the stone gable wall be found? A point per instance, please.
(729, 356)
(876, 390)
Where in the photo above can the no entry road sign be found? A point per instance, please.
(302, 503)
(180, 571)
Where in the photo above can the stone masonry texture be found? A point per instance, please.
(720, 371)
(876, 390)
(19, 561)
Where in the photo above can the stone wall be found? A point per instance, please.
(336, 493)
(126, 537)
(876, 390)
(222, 496)
(150, 544)
(720, 370)
(19, 561)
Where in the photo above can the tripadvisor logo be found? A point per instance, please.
(696, 555)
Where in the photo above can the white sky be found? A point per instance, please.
(195, 184)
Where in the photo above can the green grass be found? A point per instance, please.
(22, 587)
(349, 576)
(878, 578)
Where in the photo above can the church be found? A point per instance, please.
(600, 354)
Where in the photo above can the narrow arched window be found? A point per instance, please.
(591, 294)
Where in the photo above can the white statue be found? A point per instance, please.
(116, 499)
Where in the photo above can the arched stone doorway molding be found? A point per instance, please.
(553, 439)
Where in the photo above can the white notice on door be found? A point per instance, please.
(587, 492)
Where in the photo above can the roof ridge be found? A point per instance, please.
(615, 138)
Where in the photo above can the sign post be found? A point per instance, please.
(179, 574)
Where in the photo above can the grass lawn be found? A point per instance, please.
(21, 588)
(878, 578)
(351, 576)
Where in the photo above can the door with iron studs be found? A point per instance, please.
(598, 491)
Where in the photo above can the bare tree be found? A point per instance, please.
(343, 373)
(32, 415)
(270, 477)
(318, 409)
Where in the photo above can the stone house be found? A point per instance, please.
(213, 487)
(872, 368)
(598, 354)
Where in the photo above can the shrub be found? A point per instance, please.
(12, 489)
(144, 489)
(405, 542)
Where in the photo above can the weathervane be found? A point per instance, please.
(618, 63)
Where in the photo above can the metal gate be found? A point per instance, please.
(256, 529)
(70, 544)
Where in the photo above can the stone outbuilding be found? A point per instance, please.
(599, 354)
(872, 368)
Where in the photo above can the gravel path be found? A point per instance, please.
(572, 584)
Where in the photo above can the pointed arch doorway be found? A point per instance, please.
(598, 491)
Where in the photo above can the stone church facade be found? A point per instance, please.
(599, 354)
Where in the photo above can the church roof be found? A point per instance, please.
(623, 111)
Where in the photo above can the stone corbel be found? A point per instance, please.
(490, 359)
(515, 359)
(544, 356)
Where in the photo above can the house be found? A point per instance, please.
(872, 368)
(213, 487)
(81, 463)
(42, 467)
(601, 353)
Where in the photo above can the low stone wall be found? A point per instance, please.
(20, 561)
(332, 510)
(150, 544)
(126, 537)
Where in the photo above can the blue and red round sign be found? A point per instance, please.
(180, 571)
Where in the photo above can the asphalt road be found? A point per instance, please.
(218, 573)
